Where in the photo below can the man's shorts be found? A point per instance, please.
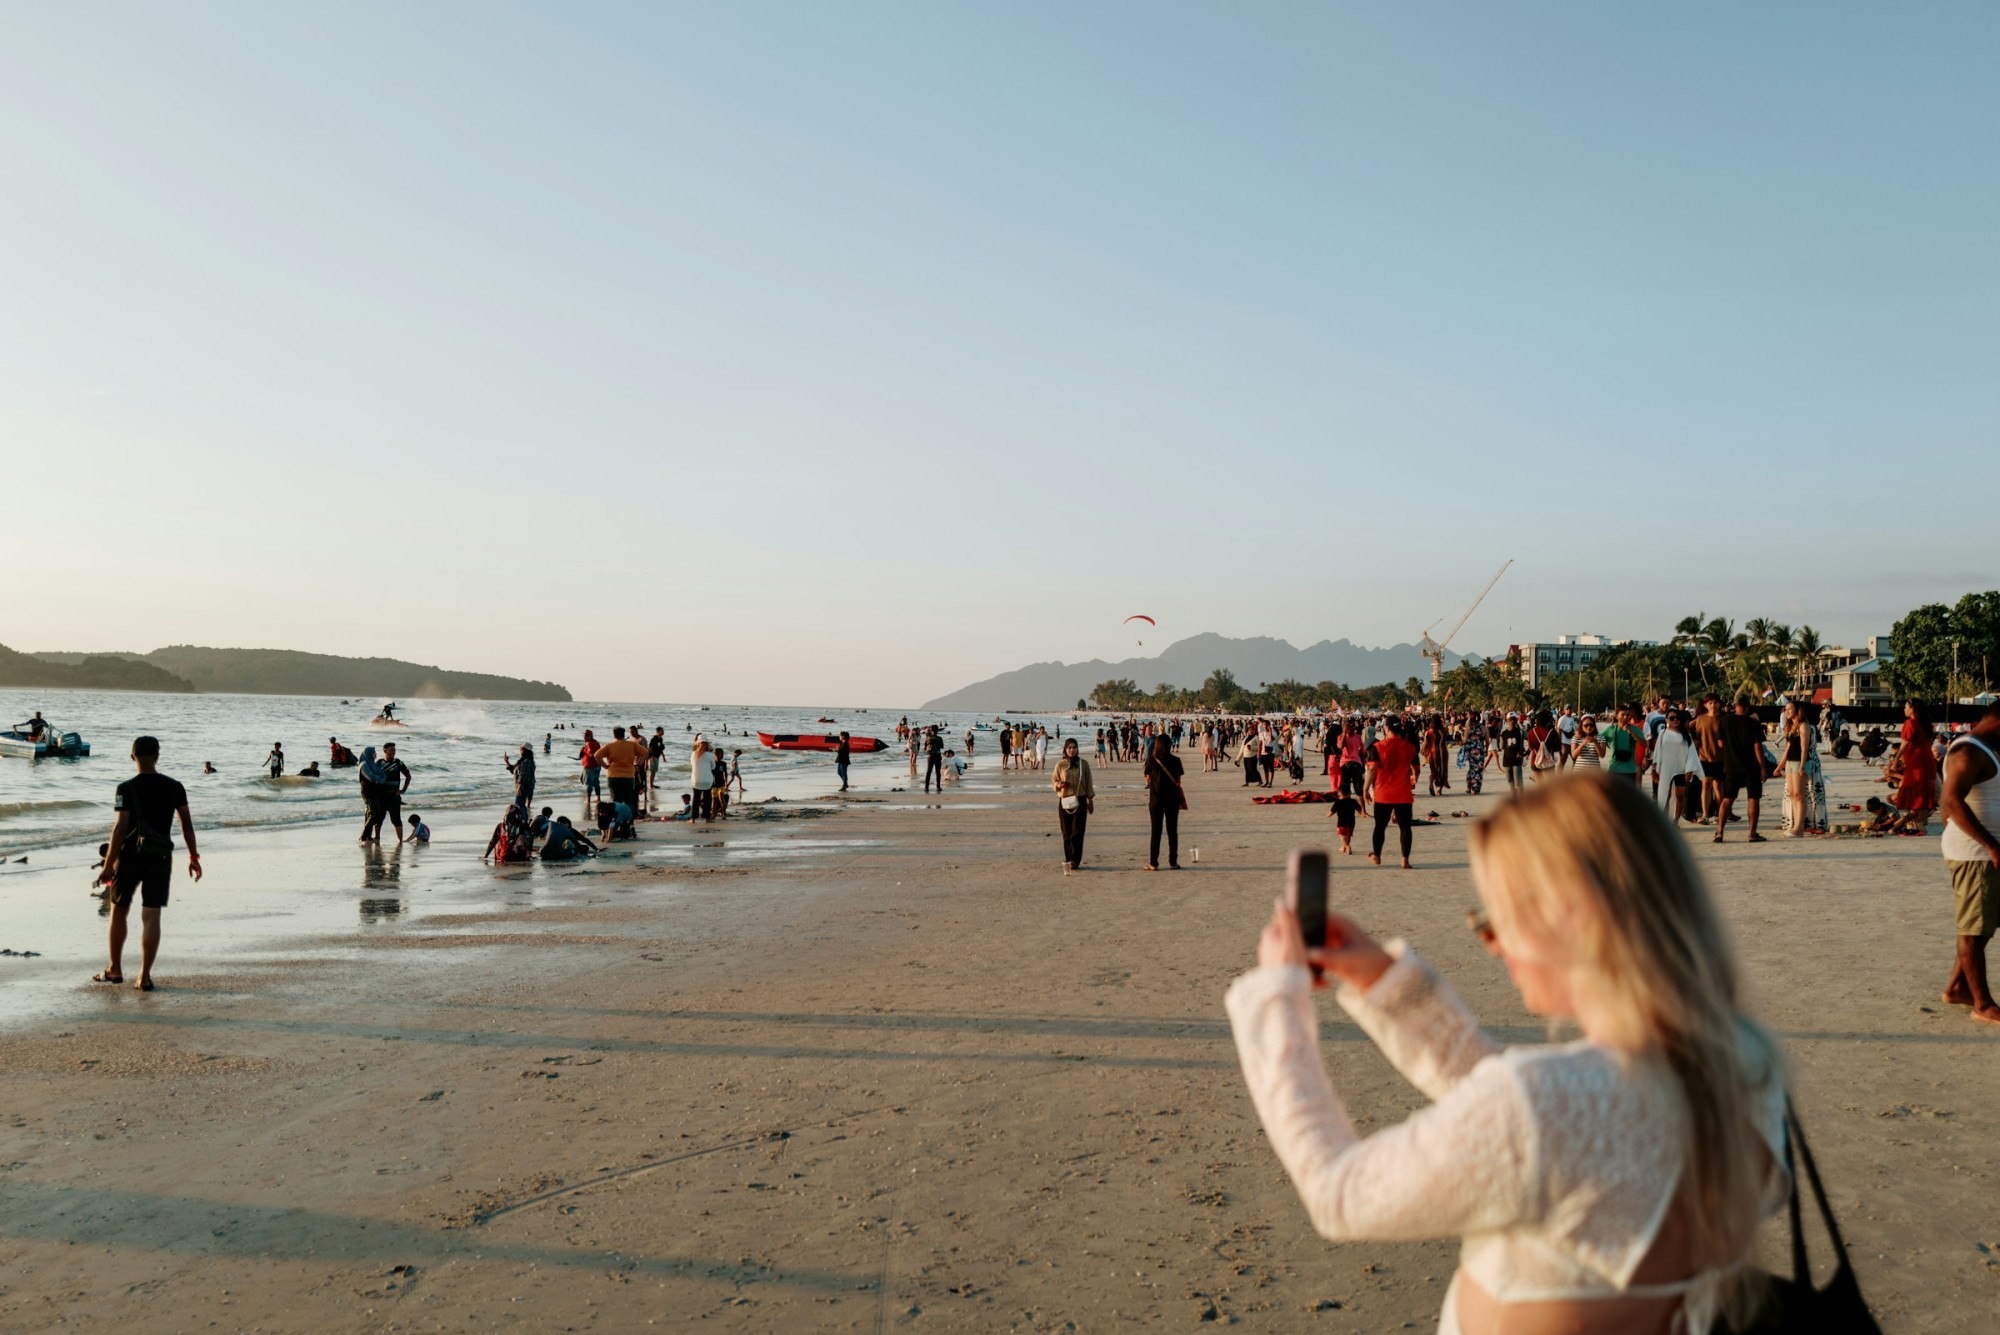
(1751, 785)
(1976, 890)
(151, 884)
(1712, 769)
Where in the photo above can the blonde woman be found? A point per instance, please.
(1608, 1184)
(1076, 798)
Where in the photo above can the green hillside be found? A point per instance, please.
(288, 672)
(102, 672)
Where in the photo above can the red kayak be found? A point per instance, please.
(813, 741)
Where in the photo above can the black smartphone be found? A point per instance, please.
(1305, 891)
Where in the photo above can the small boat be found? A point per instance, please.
(823, 719)
(51, 745)
(384, 721)
(812, 741)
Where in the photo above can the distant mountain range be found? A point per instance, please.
(187, 667)
(1187, 663)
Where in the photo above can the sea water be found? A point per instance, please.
(453, 748)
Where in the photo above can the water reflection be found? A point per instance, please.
(380, 865)
(380, 910)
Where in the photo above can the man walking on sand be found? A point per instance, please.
(1971, 808)
(1710, 745)
(1743, 767)
(140, 858)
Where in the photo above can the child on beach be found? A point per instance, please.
(1346, 808)
(419, 832)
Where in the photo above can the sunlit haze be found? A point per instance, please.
(852, 352)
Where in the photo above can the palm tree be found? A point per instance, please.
(1717, 640)
(1805, 655)
(1687, 635)
(1779, 659)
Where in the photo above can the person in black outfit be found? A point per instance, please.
(140, 858)
(840, 758)
(933, 758)
(1163, 802)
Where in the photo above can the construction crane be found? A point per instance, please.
(1434, 649)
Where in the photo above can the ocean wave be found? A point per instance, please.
(8, 810)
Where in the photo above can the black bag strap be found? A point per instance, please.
(1795, 1133)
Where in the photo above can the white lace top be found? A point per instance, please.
(1556, 1164)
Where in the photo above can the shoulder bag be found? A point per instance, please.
(1793, 1306)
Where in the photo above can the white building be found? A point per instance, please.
(1568, 653)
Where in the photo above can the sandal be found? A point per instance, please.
(145, 984)
(107, 977)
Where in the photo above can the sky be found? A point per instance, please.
(803, 353)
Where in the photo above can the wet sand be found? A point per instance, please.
(883, 1069)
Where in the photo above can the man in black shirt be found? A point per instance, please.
(395, 782)
(1743, 767)
(140, 858)
(842, 752)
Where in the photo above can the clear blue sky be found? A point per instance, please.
(849, 352)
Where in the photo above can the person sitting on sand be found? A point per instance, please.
(566, 843)
(540, 829)
(954, 766)
(511, 841)
(420, 833)
(687, 809)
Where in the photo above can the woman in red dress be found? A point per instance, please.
(1917, 792)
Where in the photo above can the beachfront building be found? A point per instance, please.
(1568, 653)
(1862, 683)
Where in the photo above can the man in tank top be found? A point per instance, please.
(1971, 810)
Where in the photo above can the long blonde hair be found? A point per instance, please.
(1588, 861)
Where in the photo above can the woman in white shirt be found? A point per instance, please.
(1675, 763)
(1609, 1184)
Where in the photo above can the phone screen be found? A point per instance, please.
(1307, 891)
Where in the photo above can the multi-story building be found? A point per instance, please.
(1568, 653)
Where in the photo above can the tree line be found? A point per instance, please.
(1938, 652)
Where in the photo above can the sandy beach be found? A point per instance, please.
(883, 1068)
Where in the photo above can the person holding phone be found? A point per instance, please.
(1076, 798)
(523, 771)
(1614, 1183)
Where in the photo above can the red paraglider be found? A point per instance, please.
(1141, 616)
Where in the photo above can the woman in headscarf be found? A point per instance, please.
(373, 780)
(1076, 798)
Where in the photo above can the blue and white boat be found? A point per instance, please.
(49, 744)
